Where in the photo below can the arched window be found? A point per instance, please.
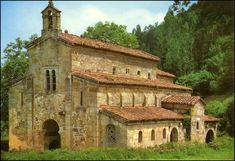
(111, 133)
(114, 70)
(164, 133)
(47, 80)
(140, 137)
(152, 135)
(197, 125)
(53, 80)
(138, 72)
(148, 75)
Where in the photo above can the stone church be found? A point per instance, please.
(82, 93)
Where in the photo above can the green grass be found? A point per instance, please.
(221, 148)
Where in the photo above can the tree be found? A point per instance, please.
(112, 33)
(15, 66)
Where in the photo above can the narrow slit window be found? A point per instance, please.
(197, 125)
(121, 100)
(148, 75)
(114, 70)
(53, 80)
(81, 98)
(127, 70)
(22, 98)
(145, 100)
(133, 100)
(152, 135)
(47, 80)
(140, 137)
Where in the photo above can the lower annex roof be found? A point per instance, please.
(139, 114)
(106, 78)
(186, 100)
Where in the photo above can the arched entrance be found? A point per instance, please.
(210, 136)
(174, 135)
(51, 135)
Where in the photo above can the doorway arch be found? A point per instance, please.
(174, 135)
(51, 136)
(210, 136)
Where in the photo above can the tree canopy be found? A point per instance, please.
(112, 33)
(195, 44)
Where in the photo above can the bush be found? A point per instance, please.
(225, 111)
(199, 81)
(215, 108)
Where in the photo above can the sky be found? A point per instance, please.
(23, 18)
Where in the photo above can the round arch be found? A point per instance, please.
(51, 136)
(210, 136)
(174, 135)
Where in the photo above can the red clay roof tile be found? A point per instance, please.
(165, 74)
(126, 80)
(208, 118)
(187, 100)
(77, 40)
(137, 114)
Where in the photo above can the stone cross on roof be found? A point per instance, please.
(50, 3)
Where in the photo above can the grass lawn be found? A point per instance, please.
(221, 148)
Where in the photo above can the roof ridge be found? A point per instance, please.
(107, 46)
(101, 77)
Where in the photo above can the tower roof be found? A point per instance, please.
(51, 5)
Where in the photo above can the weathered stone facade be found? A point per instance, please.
(55, 107)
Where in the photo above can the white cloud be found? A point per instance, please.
(76, 21)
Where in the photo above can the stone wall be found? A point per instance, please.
(197, 122)
(17, 117)
(178, 108)
(50, 55)
(120, 132)
(166, 79)
(146, 129)
(84, 114)
(104, 61)
(128, 96)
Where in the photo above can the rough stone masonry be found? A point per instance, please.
(82, 93)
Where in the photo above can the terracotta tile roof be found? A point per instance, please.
(187, 100)
(77, 40)
(126, 80)
(165, 74)
(208, 118)
(137, 114)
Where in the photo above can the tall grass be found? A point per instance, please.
(221, 148)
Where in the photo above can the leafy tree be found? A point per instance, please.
(112, 33)
(15, 65)
(195, 42)
(199, 81)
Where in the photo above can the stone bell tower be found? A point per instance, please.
(51, 20)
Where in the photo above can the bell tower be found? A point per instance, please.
(51, 20)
